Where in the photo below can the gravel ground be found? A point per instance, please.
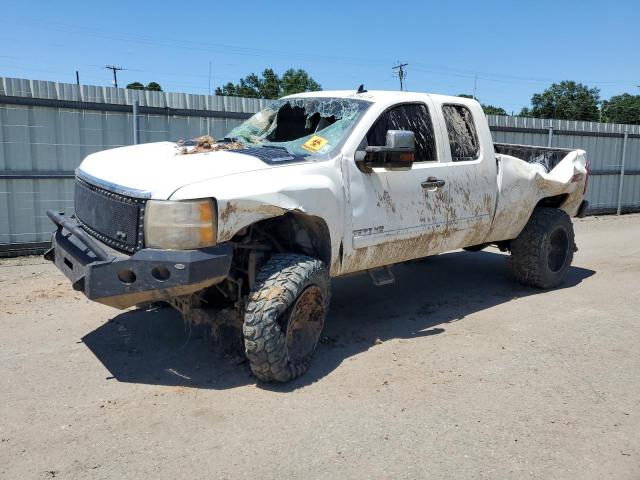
(453, 372)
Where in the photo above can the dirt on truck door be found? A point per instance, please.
(470, 174)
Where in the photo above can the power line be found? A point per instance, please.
(115, 76)
(258, 52)
(401, 73)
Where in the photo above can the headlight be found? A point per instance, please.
(180, 225)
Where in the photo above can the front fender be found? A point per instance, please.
(313, 189)
(236, 214)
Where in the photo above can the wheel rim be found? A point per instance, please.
(558, 250)
(305, 323)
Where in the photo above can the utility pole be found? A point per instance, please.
(475, 87)
(77, 78)
(115, 76)
(401, 74)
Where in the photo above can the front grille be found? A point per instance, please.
(112, 218)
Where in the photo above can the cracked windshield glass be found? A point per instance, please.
(302, 126)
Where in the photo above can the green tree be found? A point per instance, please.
(488, 109)
(525, 112)
(492, 110)
(135, 86)
(153, 86)
(566, 100)
(623, 108)
(270, 85)
(228, 89)
(296, 81)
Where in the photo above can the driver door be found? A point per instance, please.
(397, 215)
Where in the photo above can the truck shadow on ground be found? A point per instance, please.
(155, 347)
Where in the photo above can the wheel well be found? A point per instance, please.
(548, 202)
(296, 233)
(292, 232)
(553, 202)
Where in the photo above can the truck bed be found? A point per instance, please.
(546, 156)
(528, 174)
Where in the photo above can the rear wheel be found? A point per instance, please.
(284, 316)
(542, 253)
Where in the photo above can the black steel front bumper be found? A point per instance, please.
(121, 281)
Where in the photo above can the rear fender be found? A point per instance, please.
(522, 187)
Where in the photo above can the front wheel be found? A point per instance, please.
(284, 316)
(542, 253)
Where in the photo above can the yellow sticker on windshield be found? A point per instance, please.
(315, 143)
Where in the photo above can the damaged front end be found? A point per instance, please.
(120, 280)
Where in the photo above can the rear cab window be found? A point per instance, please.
(461, 129)
(412, 117)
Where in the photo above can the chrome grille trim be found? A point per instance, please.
(112, 187)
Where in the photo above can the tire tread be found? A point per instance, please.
(277, 286)
(527, 261)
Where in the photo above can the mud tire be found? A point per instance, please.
(288, 304)
(542, 253)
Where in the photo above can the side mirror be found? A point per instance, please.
(397, 154)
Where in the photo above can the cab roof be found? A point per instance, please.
(384, 96)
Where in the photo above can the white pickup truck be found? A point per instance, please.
(246, 232)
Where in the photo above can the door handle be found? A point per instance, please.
(432, 182)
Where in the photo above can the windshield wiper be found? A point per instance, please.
(275, 146)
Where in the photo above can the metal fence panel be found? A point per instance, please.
(602, 191)
(633, 154)
(630, 189)
(24, 203)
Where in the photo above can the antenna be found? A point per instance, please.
(401, 73)
(115, 76)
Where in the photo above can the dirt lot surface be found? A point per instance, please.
(454, 372)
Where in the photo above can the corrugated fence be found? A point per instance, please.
(47, 128)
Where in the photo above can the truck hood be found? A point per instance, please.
(156, 170)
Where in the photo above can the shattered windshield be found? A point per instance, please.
(302, 126)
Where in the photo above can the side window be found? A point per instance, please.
(412, 116)
(463, 138)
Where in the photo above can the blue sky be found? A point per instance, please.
(516, 48)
